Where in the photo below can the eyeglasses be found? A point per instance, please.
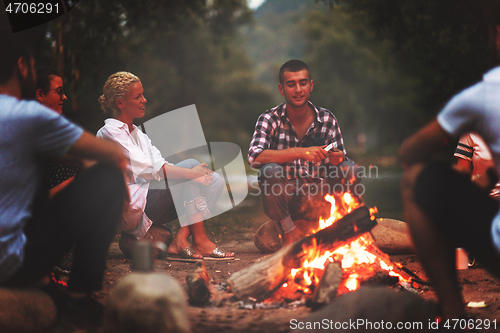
(59, 91)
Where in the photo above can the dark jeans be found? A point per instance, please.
(86, 214)
(162, 205)
(461, 210)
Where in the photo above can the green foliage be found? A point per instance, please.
(183, 51)
(384, 67)
(277, 37)
(354, 76)
(353, 71)
(445, 43)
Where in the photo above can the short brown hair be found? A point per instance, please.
(293, 66)
(43, 78)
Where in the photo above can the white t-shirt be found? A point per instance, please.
(477, 109)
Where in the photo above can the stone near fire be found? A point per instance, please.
(393, 236)
(25, 310)
(268, 237)
(368, 308)
(146, 303)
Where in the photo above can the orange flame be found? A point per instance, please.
(352, 282)
(357, 258)
(339, 208)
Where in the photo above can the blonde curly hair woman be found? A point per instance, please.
(123, 98)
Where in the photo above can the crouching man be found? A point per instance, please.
(288, 145)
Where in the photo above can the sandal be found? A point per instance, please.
(218, 255)
(187, 254)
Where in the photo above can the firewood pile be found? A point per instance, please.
(316, 269)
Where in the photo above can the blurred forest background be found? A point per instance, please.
(384, 67)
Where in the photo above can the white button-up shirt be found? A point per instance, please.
(145, 163)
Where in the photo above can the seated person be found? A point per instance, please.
(58, 174)
(34, 232)
(288, 146)
(50, 92)
(443, 208)
(123, 98)
(49, 89)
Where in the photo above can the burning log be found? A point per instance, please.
(327, 288)
(197, 285)
(263, 278)
(381, 278)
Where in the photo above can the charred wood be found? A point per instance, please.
(197, 285)
(326, 290)
(261, 279)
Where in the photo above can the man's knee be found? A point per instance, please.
(270, 172)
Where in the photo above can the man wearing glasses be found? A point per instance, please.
(49, 89)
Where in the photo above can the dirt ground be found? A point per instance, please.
(477, 284)
(233, 231)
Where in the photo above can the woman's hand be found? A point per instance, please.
(202, 174)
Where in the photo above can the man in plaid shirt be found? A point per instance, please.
(288, 146)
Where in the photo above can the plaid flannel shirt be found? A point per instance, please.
(274, 131)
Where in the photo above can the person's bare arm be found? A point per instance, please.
(421, 146)
(92, 148)
(312, 154)
(464, 166)
(59, 187)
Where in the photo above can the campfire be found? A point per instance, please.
(341, 244)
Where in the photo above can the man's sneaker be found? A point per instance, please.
(83, 311)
